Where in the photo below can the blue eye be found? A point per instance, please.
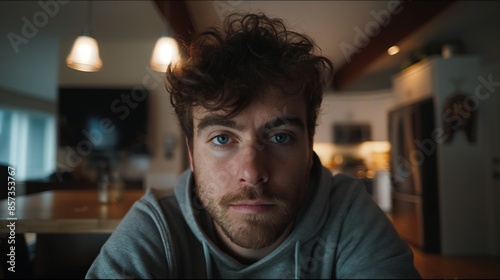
(280, 138)
(221, 139)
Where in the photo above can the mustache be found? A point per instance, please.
(250, 193)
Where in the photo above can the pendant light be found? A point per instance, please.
(84, 55)
(166, 49)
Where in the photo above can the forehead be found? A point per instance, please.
(270, 104)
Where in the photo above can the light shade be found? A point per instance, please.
(393, 50)
(84, 55)
(166, 51)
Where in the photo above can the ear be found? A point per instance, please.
(190, 154)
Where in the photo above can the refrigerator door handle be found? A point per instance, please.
(407, 197)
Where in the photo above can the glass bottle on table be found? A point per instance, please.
(103, 186)
(116, 187)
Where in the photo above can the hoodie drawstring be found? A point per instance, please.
(297, 266)
(208, 261)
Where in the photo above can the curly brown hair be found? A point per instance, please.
(228, 67)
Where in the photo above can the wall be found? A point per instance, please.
(366, 107)
(28, 84)
(32, 70)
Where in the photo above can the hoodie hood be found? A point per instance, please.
(308, 223)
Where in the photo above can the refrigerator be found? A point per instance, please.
(414, 174)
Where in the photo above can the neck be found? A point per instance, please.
(245, 255)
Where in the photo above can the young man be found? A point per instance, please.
(256, 202)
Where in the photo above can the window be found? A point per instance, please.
(27, 142)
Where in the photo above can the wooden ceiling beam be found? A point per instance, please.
(177, 16)
(412, 16)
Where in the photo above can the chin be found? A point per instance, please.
(255, 236)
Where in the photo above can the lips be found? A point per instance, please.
(252, 207)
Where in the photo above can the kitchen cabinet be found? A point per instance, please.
(414, 83)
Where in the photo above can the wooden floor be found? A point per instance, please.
(434, 266)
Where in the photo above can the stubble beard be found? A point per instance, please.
(245, 230)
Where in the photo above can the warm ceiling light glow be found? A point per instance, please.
(393, 50)
(166, 52)
(84, 55)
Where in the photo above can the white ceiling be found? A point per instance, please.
(329, 22)
(113, 20)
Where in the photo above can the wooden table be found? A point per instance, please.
(66, 211)
(70, 227)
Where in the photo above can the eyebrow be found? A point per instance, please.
(280, 121)
(277, 122)
(217, 121)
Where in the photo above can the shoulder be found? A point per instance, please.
(346, 187)
(143, 231)
(148, 214)
(350, 194)
(334, 194)
(159, 209)
(341, 180)
(158, 200)
(366, 230)
(152, 241)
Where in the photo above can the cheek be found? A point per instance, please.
(291, 176)
(212, 174)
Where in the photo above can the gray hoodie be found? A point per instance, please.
(341, 233)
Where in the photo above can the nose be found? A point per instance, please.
(252, 166)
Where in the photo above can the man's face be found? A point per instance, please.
(252, 170)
